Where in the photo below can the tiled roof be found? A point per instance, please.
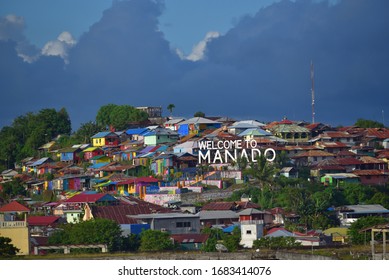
(14, 206)
(42, 220)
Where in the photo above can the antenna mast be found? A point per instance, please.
(313, 92)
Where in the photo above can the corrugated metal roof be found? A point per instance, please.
(42, 220)
(218, 214)
(199, 120)
(104, 134)
(289, 128)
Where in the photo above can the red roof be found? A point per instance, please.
(370, 172)
(82, 197)
(275, 229)
(190, 238)
(285, 121)
(139, 180)
(348, 161)
(14, 206)
(381, 133)
(219, 206)
(42, 220)
(119, 213)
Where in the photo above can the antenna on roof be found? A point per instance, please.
(313, 92)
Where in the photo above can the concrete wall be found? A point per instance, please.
(19, 238)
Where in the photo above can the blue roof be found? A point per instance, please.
(98, 165)
(230, 228)
(136, 131)
(39, 161)
(103, 134)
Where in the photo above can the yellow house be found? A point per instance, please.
(13, 224)
(105, 138)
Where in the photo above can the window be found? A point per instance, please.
(248, 231)
(182, 224)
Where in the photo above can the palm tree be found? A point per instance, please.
(262, 171)
(170, 108)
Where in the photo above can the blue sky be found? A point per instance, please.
(243, 59)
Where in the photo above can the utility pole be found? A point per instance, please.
(313, 92)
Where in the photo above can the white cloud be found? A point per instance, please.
(60, 46)
(198, 51)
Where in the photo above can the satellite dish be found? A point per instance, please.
(221, 248)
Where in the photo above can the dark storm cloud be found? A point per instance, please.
(259, 69)
(347, 42)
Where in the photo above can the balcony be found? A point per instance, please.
(252, 222)
(13, 224)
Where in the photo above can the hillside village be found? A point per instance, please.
(151, 177)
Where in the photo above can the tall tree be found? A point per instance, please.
(170, 108)
(262, 171)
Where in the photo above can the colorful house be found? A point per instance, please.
(137, 186)
(100, 159)
(70, 155)
(196, 125)
(160, 136)
(339, 179)
(163, 164)
(105, 138)
(92, 152)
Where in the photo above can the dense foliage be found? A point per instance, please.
(28, 132)
(356, 233)
(312, 202)
(96, 231)
(280, 242)
(216, 235)
(368, 124)
(119, 116)
(155, 240)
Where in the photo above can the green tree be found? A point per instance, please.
(96, 231)
(199, 114)
(170, 108)
(262, 171)
(155, 240)
(354, 231)
(231, 241)
(7, 249)
(118, 116)
(13, 189)
(86, 131)
(363, 123)
(280, 242)
(357, 193)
